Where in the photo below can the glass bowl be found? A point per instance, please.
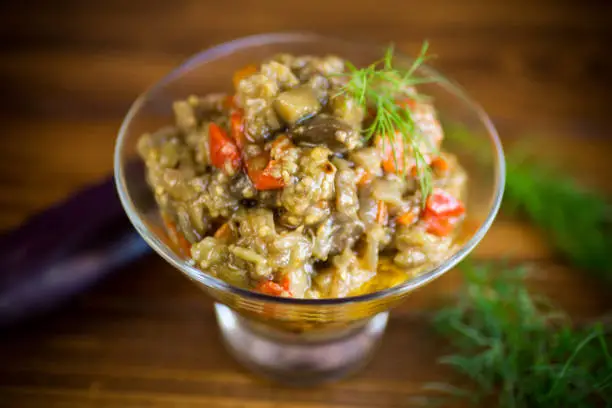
(301, 341)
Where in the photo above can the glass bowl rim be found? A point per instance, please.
(207, 280)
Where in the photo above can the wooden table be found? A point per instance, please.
(146, 337)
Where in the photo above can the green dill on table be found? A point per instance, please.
(576, 221)
(512, 345)
(517, 350)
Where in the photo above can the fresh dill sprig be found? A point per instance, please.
(379, 86)
(513, 350)
(577, 222)
(518, 351)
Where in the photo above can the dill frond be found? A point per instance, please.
(379, 85)
(576, 221)
(519, 352)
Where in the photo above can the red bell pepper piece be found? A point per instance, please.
(441, 203)
(223, 150)
(259, 169)
(442, 211)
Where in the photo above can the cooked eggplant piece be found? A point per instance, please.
(324, 130)
(297, 104)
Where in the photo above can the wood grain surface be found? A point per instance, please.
(146, 337)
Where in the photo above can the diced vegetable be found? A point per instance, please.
(177, 237)
(173, 182)
(280, 74)
(224, 233)
(224, 153)
(389, 191)
(393, 160)
(347, 275)
(364, 178)
(326, 130)
(261, 172)
(323, 240)
(185, 116)
(243, 73)
(209, 253)
(439, 164)
(406, 218)
(186, 219)
(348, 109)
(410, 258)
(367, 205)
(346, 193)
(407, 237)
(346, 233)
(258, 222)
(286, 283)
(382, 215)
(368, 158)
(271, 288)
(439, 226)
(248, 255)
(237, 129)
(280, 145)
(296, 104)
(442, 212)
(373, 244)
(442, 203)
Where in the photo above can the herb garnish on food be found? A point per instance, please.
(379, 87)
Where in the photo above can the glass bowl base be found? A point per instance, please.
(299, 359)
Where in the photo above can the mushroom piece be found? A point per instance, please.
(325, 130)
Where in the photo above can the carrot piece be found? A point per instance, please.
(407, 103)
(382, 215)
(406, 218)
(177, 237)
(439, 164)
(224, 232)
(286, 283)
(364, 178)
(392, 153)
(269, 287)
(222, 149)
(243, 73)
